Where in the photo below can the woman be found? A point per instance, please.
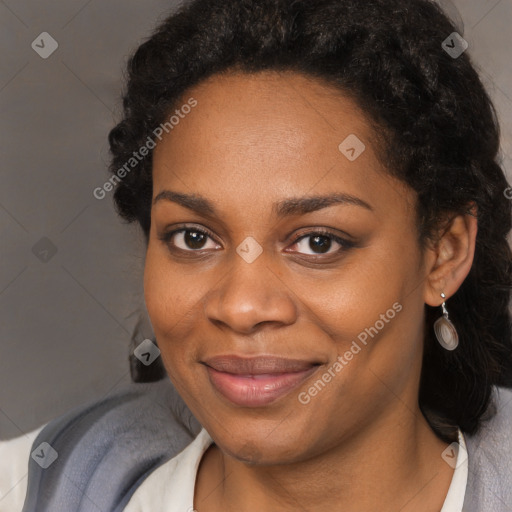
(327, 271)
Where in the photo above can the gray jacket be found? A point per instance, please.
(106, 449)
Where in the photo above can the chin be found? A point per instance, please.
(256, 447)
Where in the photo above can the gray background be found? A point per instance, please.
(67, 318)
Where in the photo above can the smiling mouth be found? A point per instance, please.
(258, 381)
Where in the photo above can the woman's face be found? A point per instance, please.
(336, 285)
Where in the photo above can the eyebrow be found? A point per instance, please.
(286, 207)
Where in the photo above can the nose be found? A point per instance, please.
(250, 295)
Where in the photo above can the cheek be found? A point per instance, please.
(168, 302)
(174, 300)
(158, 291)
(352, 299)
(170, 291)
(168, 299)
(371, 312)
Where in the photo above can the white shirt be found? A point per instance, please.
(170, 488)
(14, 457)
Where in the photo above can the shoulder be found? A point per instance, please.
(494, 437)
(109, 446)
(14, 456)
(173, 482)
(490, 455)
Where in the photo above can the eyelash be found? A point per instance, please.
(344, 244)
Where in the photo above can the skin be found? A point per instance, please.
(361, 443)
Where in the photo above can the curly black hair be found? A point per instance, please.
(440, 136)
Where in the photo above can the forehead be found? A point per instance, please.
(245, 108)
(267, 135)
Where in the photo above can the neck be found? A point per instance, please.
(390, 465)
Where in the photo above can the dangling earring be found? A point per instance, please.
(445, 331)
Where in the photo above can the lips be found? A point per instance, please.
(257, 381)
(257, 365)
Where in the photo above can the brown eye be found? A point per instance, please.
(188, 239)
(194, 239)
(321, 242)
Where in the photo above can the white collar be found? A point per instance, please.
(170, 487)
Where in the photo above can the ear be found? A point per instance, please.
(449, 260)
